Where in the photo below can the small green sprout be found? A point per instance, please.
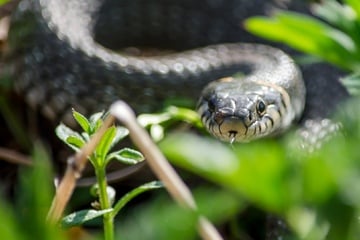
(107, 207)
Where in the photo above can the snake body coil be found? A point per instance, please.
(63, 55)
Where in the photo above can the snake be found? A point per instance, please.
(70, 54)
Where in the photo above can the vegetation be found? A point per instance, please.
(316, 193)
(333, 36)
(100, 158)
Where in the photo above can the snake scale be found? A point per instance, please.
(65, 54)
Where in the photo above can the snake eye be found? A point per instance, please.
(260, 107)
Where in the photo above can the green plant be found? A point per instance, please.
(162, 219)
(316, 193)
(99, 159)
(333, 36)
(159, 123)
(24, 218)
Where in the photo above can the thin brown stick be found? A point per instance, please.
(14, 157)
(75, 166)
(161, 167)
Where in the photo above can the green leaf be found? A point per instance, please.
(80, 217)
(355, 5)
(126, 156)
(337, 14)
(111, 192)
(96, 117)
(157, 132)
(82, 121)
(111, 137)
(121, 133)
(64, 133)
(34, 196)
(352, 83)
(105, 143)
(10, 228)
(135, 192)
(147, 119)
(341, 16)
(76, 142)
(85, 136)
(170, 113)
(235, 168)
(317, 31)
(277, 28)
(211, 209)
(185, 114)
(96, 121)
(162, 219)
(158, 122)
(309, 35)
(208, 156)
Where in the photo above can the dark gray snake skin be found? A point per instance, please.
(64, 54)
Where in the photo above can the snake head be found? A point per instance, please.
(241, 111)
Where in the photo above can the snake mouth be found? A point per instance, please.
(232, 128)
(225, 120)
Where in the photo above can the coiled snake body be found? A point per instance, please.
(67, 60)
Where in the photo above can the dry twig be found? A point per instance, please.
(14, 157)
(161, 167)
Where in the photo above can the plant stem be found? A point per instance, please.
(105, 203)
